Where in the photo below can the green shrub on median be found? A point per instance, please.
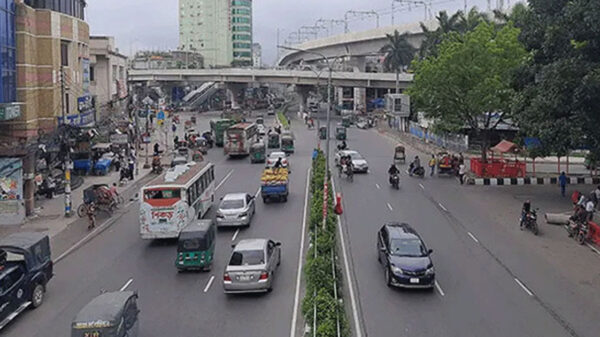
(319, 269)
(282, 118)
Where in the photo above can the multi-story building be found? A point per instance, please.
(221, 30)
(108, 76)
(9, 108)
(256, 55)
(52, 67)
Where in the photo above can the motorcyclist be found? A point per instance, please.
(414, 165)
(525, 210)
(342, 146)
(393, 171)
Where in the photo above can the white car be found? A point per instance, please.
(261, 129)
(359, 163)
(274, 156)
(236, 209)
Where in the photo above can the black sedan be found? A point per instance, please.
(405, 257)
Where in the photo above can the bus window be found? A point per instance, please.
(162, 194)
(212, 173)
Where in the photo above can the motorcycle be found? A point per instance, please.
(156, 166)
(395, 181)
(341, 147)
(583, 233)
(530, 222)
(419, 171)
(346, 170)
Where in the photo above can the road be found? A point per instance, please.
(493, 280)
(182, 304)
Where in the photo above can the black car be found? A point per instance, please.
(405, 257)
(25, 269)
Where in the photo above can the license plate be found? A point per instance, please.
(414, 280)
(245, 278)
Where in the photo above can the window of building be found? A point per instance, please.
(64, 53)
(114, 72)
(92, 74)
(67, 105)
(245, 3)
(242, 37)
(8, 79)
(121, 72)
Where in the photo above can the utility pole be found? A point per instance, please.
(67, 146)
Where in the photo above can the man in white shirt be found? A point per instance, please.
(589, 208)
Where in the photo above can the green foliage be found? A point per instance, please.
(559, 87)
(282, 119)
(398, 52)
(319, 270)
(468, 85)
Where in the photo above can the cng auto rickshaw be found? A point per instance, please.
(196, 246)
(399, 154)
(273, 141)
(444, 163)
(25, 269)
(340, 133)
(323, 132)
(287, 143)
(113, 314)
(258, 153)
(346, 121)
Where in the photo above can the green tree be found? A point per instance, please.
(468, 85)
(558, 89)
(398, 54)
(433, 38)
(468, 21)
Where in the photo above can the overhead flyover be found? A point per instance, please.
(355, 43)
(265, 76)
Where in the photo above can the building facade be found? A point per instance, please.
(221, 30)
(9, 109)
(176, 59)
(52, 67)
(108, 76)
(256, 55)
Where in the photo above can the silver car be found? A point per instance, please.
(358, 162)
(236, 209)
(252, 266)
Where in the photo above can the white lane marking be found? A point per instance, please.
(300, 261)
(210, 281)
(593, 248)
(421, 186)
(378, 187)
(237, 231)
(389, 206)
(224, 179)
(357, 328)
(524, 287)
(257, 193)
(439, 289)
(473, 237)
(442, 206)
(126, 285)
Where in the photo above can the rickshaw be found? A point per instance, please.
(103, 158)
(340, 133)
(273, 141)
(287, 143)
(323, 132)
(25, 269)
(196, 246)
(188, 124)
(346, 121)
(112, 314)
(193, 119)
(101, 196)
(202, 145)
(260, 120)
(444, 163)
(258, 153)
(399, 154)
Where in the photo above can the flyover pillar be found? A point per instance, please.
(360, 100)
(235, 93)
(303, 92)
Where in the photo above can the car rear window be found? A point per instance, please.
(247, 258)
(407, 247)
(232, 204)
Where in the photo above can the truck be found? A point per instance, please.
(274, 184)
(218, 127)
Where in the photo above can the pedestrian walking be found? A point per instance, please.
(174, 128)
(432, 163)
(461, 173)
(131, 167)
(562, 180)
(589, 208)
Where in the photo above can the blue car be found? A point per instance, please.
(404, 256)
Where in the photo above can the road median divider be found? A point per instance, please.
(322, 307)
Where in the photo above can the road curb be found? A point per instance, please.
(531, 181)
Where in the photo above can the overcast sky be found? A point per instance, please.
(152, 24)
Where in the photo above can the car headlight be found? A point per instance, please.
(430, 271)
(396, 270)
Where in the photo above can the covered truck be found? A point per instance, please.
(274, 184)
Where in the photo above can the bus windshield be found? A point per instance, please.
(162, 194)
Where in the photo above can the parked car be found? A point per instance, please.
(25, 269)
(404, 256)
(274, 156)
(359, 163)
(252, 266)
(236, 209)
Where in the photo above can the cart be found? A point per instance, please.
(101, 196)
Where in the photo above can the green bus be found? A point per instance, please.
(218, 128)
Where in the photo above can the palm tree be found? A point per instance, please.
(470, 20)
(517, 15)
(398, 54)
(433, 38)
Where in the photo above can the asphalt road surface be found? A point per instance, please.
(493, 280)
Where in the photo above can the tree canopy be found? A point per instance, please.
(468, 83)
